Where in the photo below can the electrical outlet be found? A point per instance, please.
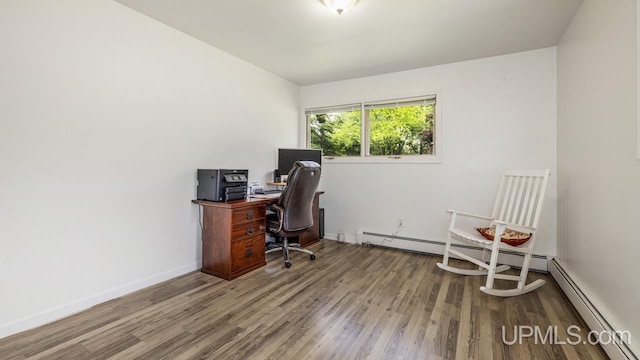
(400, 222)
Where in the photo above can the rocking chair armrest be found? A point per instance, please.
(470, 215)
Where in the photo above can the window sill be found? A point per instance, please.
(426, 159)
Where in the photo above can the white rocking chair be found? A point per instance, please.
(517, 207)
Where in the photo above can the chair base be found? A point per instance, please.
(513, 292)
(460, 271)
(285, 247)
(491, 291)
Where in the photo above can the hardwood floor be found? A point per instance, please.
(352, 302)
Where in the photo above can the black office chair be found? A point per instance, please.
(292, 214)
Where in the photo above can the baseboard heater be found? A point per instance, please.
(433, 247)
(590, 313)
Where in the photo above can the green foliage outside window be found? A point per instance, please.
(337, 134)
(404, 130)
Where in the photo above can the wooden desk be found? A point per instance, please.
(276, 183)
(233, 235)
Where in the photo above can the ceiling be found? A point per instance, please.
(306, 43)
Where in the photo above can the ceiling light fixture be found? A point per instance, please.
(339, 6)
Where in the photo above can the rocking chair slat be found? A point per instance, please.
(505, 199)
(509, 196)
(543, 187)
(518, 204)
(532, 204)
(527, 197)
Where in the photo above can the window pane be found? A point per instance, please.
(403, 130)
(336, 133)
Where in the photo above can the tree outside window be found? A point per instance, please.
(337, 133)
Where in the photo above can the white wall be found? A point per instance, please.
(497, 113)
(598, 173)
(105, 115)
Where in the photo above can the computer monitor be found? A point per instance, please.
(288, 157)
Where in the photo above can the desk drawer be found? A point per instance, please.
(247, 252)
(247, 229)
(248, 214)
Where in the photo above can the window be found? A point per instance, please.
(337, 131)
(395, 129)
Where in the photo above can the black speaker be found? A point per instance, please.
(321, 216)
(276, 176)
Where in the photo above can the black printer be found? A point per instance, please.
(222, 184)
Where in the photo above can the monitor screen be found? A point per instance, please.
(288, 157)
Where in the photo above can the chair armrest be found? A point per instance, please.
(275, 208)
(470, 215)
(279, 211)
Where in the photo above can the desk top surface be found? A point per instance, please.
(266, 196)
(251, 200)
(276, 183)
(233, 204)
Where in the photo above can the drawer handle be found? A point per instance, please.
(248, 253)
(250, 230)
(249, 216)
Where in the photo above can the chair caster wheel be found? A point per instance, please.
(287, 264)
(312, 257)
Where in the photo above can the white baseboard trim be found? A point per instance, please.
(347, 239)
(71, 308)
(435, 247)
(595, 317)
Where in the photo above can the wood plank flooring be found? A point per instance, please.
(352, 302)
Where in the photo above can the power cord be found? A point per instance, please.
(394, 235)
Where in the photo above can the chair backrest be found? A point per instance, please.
(520, 197)
(297, 197)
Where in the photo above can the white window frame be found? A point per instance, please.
(364, 157)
